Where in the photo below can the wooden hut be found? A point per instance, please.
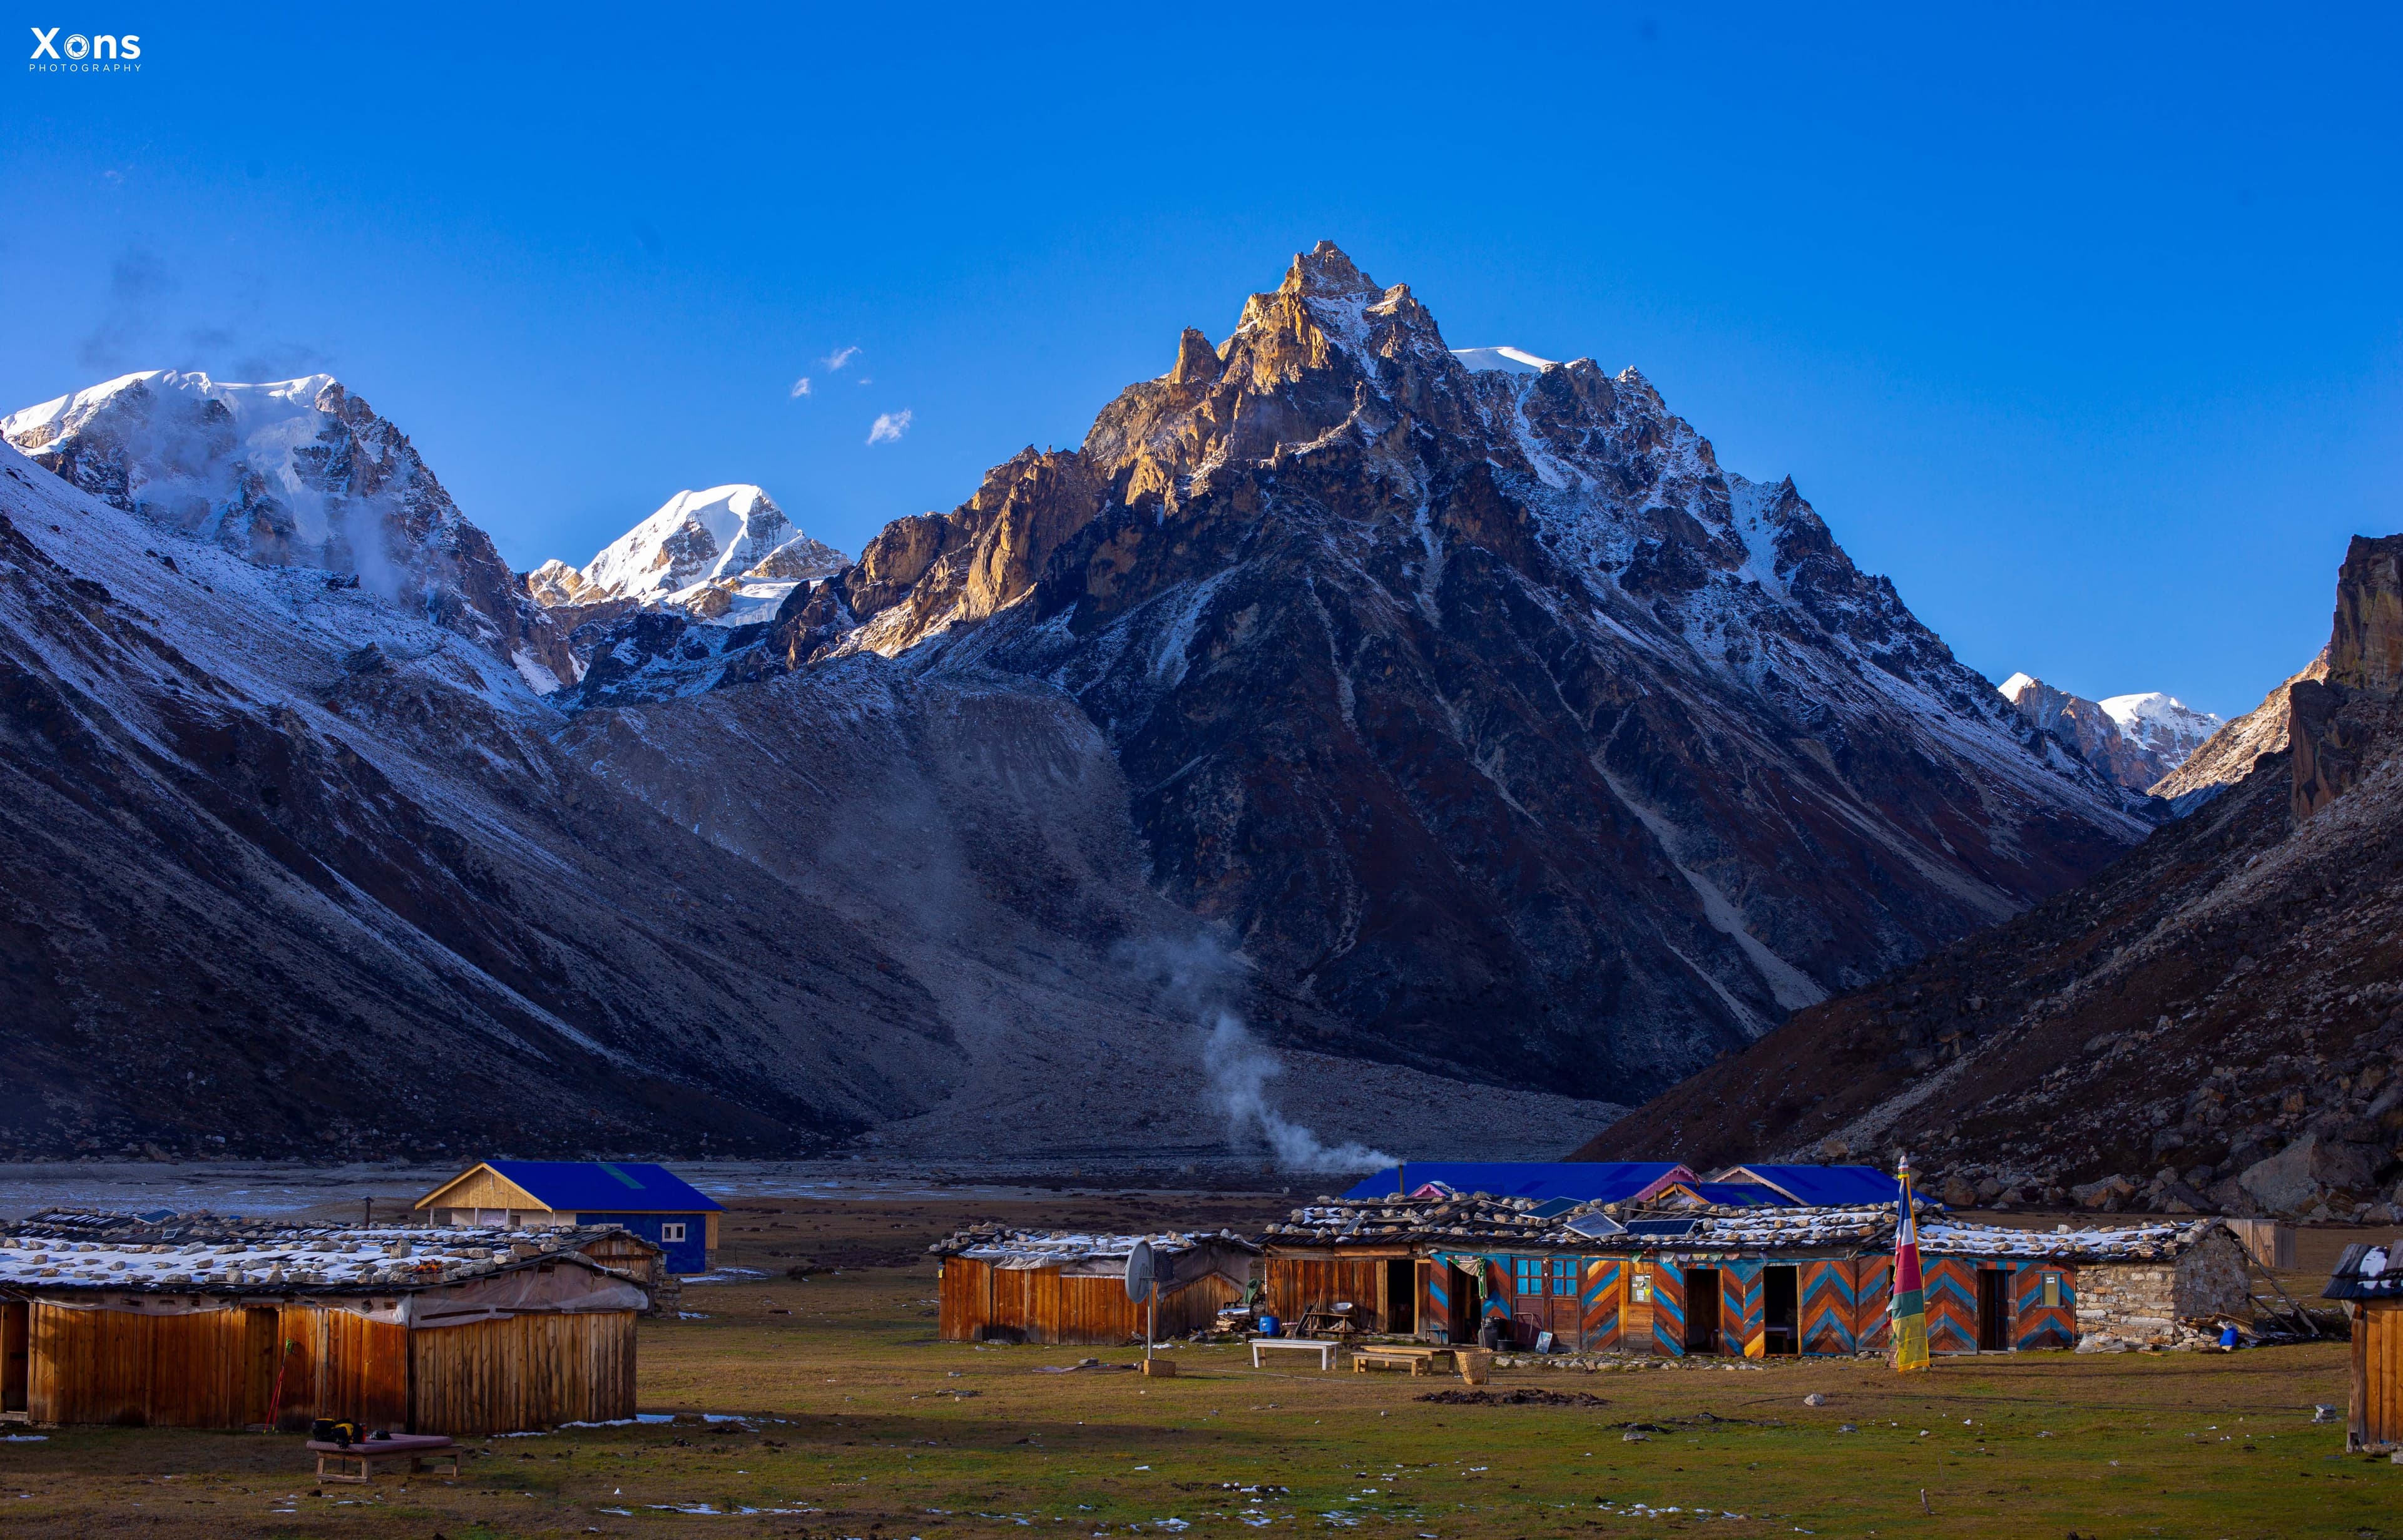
(1755, 1279)
(191, 1321)
(638, 1197)
(2369, 1279)
(1032, 1287)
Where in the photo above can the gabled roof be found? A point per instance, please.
(1585, 1181)
(1822, 1187)
(596, 1186)
(2368, 1270)
(1730, 1195)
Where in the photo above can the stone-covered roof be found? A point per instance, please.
(2106, 1243)
(1479, 1217)
(76, 1249)
(1018, 1250)
(1505, 1223)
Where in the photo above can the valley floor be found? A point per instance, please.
(853, 1420)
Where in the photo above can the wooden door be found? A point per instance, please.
(259, 1341)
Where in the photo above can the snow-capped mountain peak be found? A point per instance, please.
(2155, 716)
(2135, 740)
(294, 473)
(727, 554)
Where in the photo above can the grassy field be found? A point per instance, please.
(855, 1422)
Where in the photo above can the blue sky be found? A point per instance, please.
(2083, 327)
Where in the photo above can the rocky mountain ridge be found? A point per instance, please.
(1462, 693)
(1511, 756)
(306, 872)
(2212, 1024)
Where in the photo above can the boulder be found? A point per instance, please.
(1958, 1193)
(2110, 1192)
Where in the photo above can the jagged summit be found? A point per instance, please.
(1430, 675)
(725, 554)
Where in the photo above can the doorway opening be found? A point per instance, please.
(1402, 1296)
(1702, 1309)
(1993, 1310)
(1466, 1306)
(16, 1353)
(1781, 1310)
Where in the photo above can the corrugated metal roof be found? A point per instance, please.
(1823, 1185)
(1738, 1195)
(2368, 1270)
(1585, 1181)
(607, 1186)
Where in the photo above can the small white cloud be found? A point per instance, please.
(866, 380)
(889, 427)
(801, 387)
(838, 357)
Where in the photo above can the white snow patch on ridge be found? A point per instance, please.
(1501, 360)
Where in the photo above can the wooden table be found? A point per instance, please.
(415, 1448)
(1325, 1350)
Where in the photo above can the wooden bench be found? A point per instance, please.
(1416, 1360)
(1325, 1350)
(415, 1448)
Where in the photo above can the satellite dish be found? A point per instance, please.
(1140, 1271)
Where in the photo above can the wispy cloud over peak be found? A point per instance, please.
(889, 426)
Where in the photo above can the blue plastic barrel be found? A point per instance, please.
(1270, 1325)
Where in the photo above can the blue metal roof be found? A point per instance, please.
(607, 1186)
(1740, 1195)
(1832, 1186)
(1585, 1181)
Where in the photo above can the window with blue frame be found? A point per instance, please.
(1530, 1274)
(1564, 1275)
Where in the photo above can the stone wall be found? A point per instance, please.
(2127, 1305)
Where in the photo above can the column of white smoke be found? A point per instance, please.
(1199, 975)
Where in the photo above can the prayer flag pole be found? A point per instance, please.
(1909, 1305)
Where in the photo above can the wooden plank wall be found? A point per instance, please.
(2034, 1324)
(1299, 1283)
(484, 1189)
(1044, 1307)
(2376, 1420)
(1874, 1287)
(1952, 1293)
(214, 1368)
(1599, 1301)
(527, 1371)
(1829, 1303)
(1668, 1310)
(1742, 1309)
